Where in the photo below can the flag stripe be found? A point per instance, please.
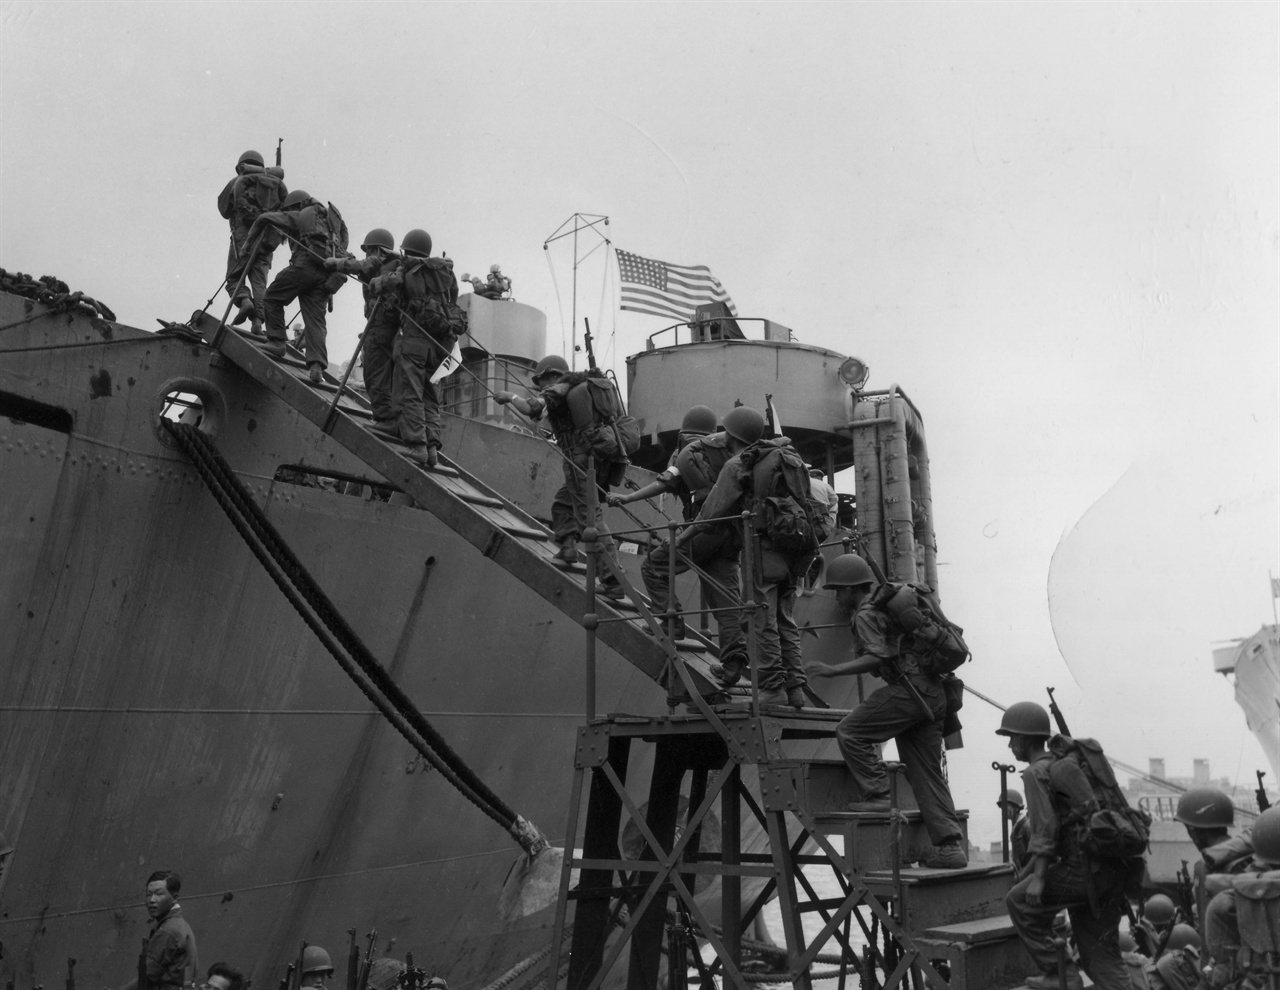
(662, 289)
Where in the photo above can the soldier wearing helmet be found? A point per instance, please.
(421, 292)
(1058, 792)
(690, 474)
(375, 272)
(1178, 966)
(253, 191)
(303, 221)
(317, 968)
(1207, 814)
(1014, 809)
(566, 399)
(895, 711)
(1221, 916)
(782, 678)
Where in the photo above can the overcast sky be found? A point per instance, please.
(1054, 225)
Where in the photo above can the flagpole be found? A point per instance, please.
(579, 221)
(1272, 581)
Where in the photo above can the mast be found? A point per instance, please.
(592, 222)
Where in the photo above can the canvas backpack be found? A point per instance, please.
(596, 410)
(1112, 830)
(780, 503)
(428, 302)
(914, 609)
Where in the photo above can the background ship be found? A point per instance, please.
(165, 708)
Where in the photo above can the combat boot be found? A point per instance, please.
(315, 373)
(388, 426)
(246, 311)
(773, 696)
(420, 454)
(1050, 981)
(950, 856)
(433, 455)
(730, 672)
(276, 347)
(796, 697)
(255, 328)
(874, 804)
(568, 551)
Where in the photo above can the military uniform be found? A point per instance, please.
(891, 712)
(1093, 894)
(713, 549)
(304, 279)
(777, 636)
(1219, 865)
(1176, 970)
(377, 356)
(416, 352)
(253, 192)
(171, 957)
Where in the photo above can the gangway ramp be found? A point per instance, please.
(503, 532)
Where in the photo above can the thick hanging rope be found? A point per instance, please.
(302, 591)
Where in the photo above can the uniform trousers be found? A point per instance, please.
(715, 552)
(571, 507)
(415, 397)
(304, 283)
(777, 636)
(254, 288)
(892, 713)
(379, 364)
(1096, 933)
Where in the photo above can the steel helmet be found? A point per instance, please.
(295, 198)
(1158, 910)
(1266, 837)
(1182, 936)
(379, 237)
(417, 243)
(848, 571)
(699, 419)
(1205, 807)
(1127, 944)
(1012, 797)
(549, 365)
(744, 423)
(251, 156)
(1026, 718)
(495, 269)
(437, 983)
(315, 960)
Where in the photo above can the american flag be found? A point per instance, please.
(661, 289)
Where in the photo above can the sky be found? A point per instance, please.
(1053, 225)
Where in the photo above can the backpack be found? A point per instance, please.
(435, 309)
(336, 239)
(596, 409)
(1112, 830)
(914, 608)
(780, 501)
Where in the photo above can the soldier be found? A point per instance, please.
(693, 469)
(1178, 967)
(758, 470)
(1159, 914)
(1061, 877)
(380, 259)
(171, 960)
(1013, 808)
(1221, 915)
(317, 968)
(563, 399)
(223, 977)
(824, 496)
(909, 709)
(425, 290)
(303, 220)
(1207, 814)
(255, 190)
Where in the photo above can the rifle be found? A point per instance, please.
(287, 979)
(142, 966)
(279, 144)
(1260, 794)
(353, 961)
(1186, 897)
(586, 343)
(1057, 714)
(302, 951)
(71, 973)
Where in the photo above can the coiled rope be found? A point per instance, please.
(51, 292)
(320, 615)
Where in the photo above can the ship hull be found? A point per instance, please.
(164, 707)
